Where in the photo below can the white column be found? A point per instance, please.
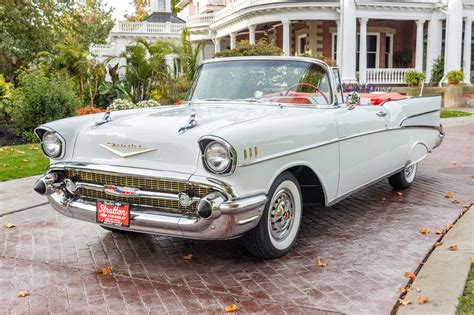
(419, 45)
(217, 44)
(433, 46)
(363, 51)
(233, 40)
(348, 34)
(466, 67)
(339, 43)
(252, 34)
(286, 37)
(452, 59)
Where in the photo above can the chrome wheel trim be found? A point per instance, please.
(284, 215)
(410, 172)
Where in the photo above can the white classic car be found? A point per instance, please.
(256, 140)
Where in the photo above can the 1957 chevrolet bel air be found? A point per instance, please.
(256, 139)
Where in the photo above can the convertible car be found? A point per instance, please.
(256, 139)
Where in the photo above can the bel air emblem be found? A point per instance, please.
(126, 150)
(119, 191)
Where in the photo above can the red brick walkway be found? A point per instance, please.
(369, 241)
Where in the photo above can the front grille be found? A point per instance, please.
(150, 184)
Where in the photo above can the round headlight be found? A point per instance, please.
(217, 157)
(52, 145)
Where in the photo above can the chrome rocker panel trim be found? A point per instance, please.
(234, 218)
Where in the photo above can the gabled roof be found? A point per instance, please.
(163, 17)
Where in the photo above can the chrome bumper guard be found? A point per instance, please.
(235, 218)
(440, 137)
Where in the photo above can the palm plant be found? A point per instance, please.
(189, 55)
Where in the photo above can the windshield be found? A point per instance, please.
(282, 81)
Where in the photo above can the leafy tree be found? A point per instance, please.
(40, 99)
(438, 70)
(6, 104)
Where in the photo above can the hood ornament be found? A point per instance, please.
(192, 122)
(105, 119)
(126, 150)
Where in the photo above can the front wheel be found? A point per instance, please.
(404, 178)
(277, 230)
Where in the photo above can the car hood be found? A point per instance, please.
(155, 132)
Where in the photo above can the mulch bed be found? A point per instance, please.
(8, 136)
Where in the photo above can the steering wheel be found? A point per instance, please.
(316, 89)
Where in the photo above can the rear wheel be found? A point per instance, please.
(404, 178)
(278, 228)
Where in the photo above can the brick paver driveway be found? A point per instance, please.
(369, 241)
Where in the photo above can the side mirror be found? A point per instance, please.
(352, 99)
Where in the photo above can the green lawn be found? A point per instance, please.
(21, 161)
(445, 113)
(466, 301)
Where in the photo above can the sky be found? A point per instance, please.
(121, 7)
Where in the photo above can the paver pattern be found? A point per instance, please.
(369, 240)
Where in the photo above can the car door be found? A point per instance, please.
(364, 145)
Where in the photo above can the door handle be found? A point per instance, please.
(381, 114)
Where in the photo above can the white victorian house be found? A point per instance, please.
(375, 42)
(372, 41)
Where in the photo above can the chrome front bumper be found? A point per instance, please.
(233, 218)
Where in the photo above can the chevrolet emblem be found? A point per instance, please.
(126, 150)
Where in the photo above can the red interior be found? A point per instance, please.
(380, 99)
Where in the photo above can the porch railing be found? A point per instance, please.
(148, 27)
(101, 50)
(201, 19)
(387, 75)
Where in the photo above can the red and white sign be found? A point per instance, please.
(113, 213)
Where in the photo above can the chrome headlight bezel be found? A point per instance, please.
(210, 142)
(56, 138)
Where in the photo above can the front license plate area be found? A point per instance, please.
(113, 213)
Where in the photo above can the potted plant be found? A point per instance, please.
(413, 80)
(455, 76)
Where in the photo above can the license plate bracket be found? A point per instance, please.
(113, 213)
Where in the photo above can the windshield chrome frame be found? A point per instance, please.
(318, 62)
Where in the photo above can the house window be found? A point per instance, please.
(389, 51)
(334, 46)
(373, 48)
(301, 44)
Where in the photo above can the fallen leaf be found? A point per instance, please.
(321, 264)
(9, 225)
(188, 257)
(22, 293)
(472, 260)
(448, 226)
(438, 244)
(406, 289)
(25, 161)
(453, 248)
(404, 302)
(399, 193)
(410, 275)
(454, 162)
(424, 231)
(422, 299)
(455, 201)
(448, 195)
(230, 308)
(439, 232)
(21, 152)
(104, 271)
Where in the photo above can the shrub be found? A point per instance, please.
(414, 78)
(173, 92)
(121, 104)
(147, 103)
(329, 61)
(40, 99)
(6, 103)
(86, 110)
(455, 76)
(438, 70)
(261, 48)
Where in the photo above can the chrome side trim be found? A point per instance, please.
(347, 194)
(245, 221)
(327, 142)
(417, 115)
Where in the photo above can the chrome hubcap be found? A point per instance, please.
(281, 215)
(409, 170)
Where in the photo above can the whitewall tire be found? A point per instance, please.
(404, 178)
(278, 228)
